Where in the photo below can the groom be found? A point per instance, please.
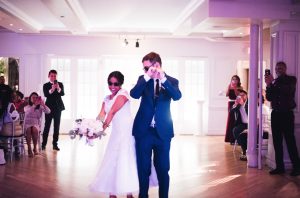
(153, 125)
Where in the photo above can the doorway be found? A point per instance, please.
(9, 68)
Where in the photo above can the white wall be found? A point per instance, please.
(222, 58)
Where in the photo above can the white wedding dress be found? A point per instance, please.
(117, 174)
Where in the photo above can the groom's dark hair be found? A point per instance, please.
(152, 57)
(118, 75)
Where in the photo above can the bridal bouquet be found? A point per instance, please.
(88, 128)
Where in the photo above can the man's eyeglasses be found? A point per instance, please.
(116, 84)
(146, 68)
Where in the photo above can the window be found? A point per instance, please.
(130, 67)
(171, 67)
(85, 83)
(87, 88)
(194, 92)
(194, 79)
(63, 68)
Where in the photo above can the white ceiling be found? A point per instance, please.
(155, 18)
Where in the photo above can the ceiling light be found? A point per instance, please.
(20, 29)
(11, 24)
(125, 43)
(137, 44)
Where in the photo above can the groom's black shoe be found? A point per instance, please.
(295, 172)
(56, 148)
(277, 171)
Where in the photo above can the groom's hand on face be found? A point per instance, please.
(151, 72)
(160, 74)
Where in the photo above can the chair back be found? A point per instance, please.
(21, 117)
(9, 130)
(266, 123)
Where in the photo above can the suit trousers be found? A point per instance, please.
(282, 124)
(55, 115)
(145, 146)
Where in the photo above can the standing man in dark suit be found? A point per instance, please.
(240, 111)
(5, 90)
(153, 125)
(281, 93)
(53, 91)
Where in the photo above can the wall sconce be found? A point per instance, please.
(137, 44)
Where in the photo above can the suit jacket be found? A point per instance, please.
(237, 113)
(54, 101)
(281, 93)
(5, 92)
(158, 107)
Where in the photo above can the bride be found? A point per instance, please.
(117, 174)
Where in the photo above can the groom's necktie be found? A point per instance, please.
(157, 88)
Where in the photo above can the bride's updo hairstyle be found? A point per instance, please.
(118, 75)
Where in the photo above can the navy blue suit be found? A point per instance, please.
(155, 139)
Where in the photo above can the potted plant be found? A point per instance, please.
(2, 68)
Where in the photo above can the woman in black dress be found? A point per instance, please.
(232, 92)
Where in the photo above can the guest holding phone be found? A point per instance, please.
(53, 91)
(32, 123)
(281, 93)
(232, 93)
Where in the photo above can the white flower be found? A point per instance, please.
(89, 128)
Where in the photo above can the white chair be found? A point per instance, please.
(266, 129)
(2, 158)
(235, 142)
(12, 137)
(39, 136)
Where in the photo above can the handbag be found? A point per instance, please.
(6, 122)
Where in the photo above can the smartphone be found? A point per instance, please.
(55, 81)
(267, 72)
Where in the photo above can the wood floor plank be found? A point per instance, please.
(201, 166)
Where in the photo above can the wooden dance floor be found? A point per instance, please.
(200, 167)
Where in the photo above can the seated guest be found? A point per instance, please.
(20, 103)
(5, 97)
(8, 111)
(240, 111)
(243, 137)
(33, 113)
(18, 100)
